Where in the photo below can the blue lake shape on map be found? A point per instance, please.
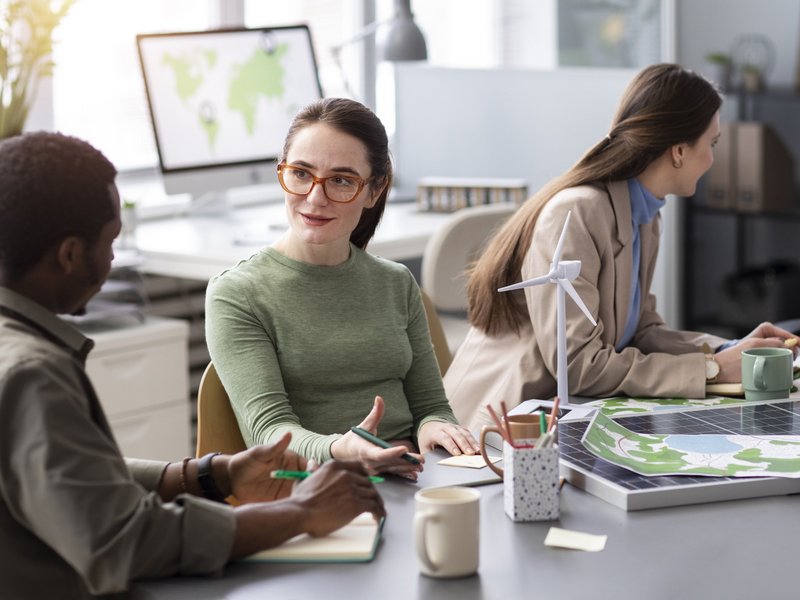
(702, 444)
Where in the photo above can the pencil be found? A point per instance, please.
(553, 415)
(505, 419)
(303, 474)
(497, 422)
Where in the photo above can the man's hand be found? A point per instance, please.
(334, 495)
(331, 497)
(249, 471)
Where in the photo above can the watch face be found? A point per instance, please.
(712, 368)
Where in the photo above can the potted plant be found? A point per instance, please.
(719, 67)
(26, 44)
(752, 81)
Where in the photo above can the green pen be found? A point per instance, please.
(542, 423)
(304, 474)
(383, 444)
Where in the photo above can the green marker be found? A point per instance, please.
(542, 423)
(304, 474)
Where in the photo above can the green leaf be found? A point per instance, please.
(26, 45)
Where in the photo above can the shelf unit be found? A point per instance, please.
(721, 243)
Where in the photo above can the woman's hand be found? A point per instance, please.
(374, 458)
(453, 438)
(765, 335)
(768, 331)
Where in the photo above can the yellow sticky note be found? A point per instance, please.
(471, 461)
(574, 540)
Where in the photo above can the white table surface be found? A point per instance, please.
(200, 246)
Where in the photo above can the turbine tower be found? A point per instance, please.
(562, 273)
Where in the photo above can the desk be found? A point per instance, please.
(199, 246)
(735, 549)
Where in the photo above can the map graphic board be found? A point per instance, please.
(617, 407)
(632, 491)
(715, 455)
(227, 96)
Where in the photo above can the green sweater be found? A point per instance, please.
(306, 348)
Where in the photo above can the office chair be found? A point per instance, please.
(439, 339)
(217, 428)
(448, 253)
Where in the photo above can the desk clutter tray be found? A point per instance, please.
(630, 491)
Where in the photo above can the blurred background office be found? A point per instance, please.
(508, 88)
(97, 91)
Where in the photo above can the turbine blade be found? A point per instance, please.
(560, 245)
(526, 283)
(567, 285)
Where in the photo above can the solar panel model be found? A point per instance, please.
(631, 491)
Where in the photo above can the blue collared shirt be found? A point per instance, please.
(644, 208)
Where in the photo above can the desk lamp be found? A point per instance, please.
(562, 273)
(404, 40)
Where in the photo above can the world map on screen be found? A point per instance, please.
(259, 76)
(227, 96)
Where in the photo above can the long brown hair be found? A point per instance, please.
(663, 106)
(355, 119)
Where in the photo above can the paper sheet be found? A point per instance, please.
(471, 461)
(575, 540)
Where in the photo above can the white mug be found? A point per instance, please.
(446, 531)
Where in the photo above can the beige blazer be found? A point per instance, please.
(658, 362)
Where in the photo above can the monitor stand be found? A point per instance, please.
(214, 203)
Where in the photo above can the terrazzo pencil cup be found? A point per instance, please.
(530, 483)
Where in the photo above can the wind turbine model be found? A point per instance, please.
(562, 273)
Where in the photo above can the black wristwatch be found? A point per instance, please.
(206, 479)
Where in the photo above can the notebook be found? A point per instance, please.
(355, 542)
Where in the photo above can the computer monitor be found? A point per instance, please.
(221, 102)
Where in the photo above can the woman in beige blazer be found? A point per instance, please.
(661, 142)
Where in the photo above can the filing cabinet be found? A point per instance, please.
(140, 373)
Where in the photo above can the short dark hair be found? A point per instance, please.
(355, 119)
(52, 186)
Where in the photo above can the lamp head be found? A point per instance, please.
(404, 40)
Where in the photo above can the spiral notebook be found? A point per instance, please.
(355, 542)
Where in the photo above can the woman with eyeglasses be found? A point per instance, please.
(312, 334)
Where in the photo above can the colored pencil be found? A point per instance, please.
(553, 415)
(505, 419)
(503, 433)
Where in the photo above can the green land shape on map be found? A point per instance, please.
(629, 406)
(261, 75)
(188, 71)
(668, 461)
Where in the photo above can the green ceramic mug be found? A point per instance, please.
(767, 373)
